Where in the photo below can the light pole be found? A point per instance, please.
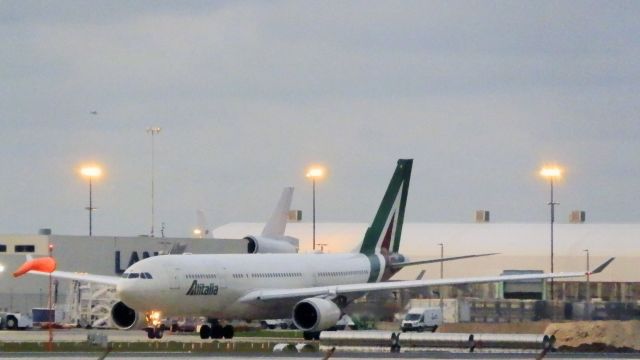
(588, 292)
(551, 173)
(441, 277)
(91, 172)
(153, 131)
(51, 317)
(314, 173)
(441, 262)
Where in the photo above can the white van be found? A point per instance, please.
(421, 319)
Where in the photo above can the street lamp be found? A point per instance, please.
(551, 172)
(153, 131)
(441, 262)
(314, 173)
(91, 172)
(588, 292)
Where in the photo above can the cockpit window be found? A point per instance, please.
(143, 275)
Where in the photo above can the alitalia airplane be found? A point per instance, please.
(313, 289)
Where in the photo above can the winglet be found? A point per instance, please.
(601, 267)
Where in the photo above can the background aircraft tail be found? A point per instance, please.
(383, 236)
(277, 223)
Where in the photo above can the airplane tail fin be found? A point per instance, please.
(383, 236)
(277, 223)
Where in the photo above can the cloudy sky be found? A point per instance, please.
(248, 94)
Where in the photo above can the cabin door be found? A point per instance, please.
(175, 275)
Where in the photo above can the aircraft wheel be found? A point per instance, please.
(159, 333)
(311, 335)
(216, 332)
(227, 332)
(205, 332)
(12, 323)
(150, 334)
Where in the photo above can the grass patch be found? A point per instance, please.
(150, 346)
(278, 334)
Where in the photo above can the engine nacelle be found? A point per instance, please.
(316, 314)
(265, 245)
(126, 318)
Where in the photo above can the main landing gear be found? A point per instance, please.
(214, 330)
(311, 335)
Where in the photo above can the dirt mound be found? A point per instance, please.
(607, 334)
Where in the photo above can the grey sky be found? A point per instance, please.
(248, 94)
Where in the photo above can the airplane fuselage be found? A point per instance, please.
(210, 285)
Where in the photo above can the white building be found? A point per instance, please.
(522, 246)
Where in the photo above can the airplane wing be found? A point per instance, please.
(334, 290)
(68, 275)
(418, 262)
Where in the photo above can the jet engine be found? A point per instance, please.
(266, 245)
(316, 314)
(126, 318)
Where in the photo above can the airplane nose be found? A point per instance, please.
(124, 289)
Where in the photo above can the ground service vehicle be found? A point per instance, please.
(421, 319)
(14, 321)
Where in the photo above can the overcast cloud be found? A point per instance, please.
(248, 94)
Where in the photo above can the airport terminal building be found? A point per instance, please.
(104, 255)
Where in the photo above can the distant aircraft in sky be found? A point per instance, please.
(94, 112)
(313, 289)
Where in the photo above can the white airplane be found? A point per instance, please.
(312, 289)
(272, 240)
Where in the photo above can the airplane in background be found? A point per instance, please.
(313, 289)
(272, 240)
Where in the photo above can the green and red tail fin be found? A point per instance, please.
(383, 236)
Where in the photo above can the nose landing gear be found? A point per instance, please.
(155, 328)
(155, 332)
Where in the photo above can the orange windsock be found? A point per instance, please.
(45, 264)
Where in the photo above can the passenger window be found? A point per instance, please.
(3, 248)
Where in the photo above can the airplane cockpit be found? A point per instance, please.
(135, 275)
